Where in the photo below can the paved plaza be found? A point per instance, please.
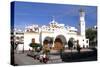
(24, 59)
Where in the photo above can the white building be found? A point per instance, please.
(55, 30)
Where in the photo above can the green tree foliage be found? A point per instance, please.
(70, 44)
(91, 34)
(36, 46)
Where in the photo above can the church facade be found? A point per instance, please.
(54, 32)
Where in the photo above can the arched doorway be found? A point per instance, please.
(59, 42)
(49, 41)
(71, 43)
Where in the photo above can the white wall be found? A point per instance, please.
(81, 42)
(27, 39)
(44, 35)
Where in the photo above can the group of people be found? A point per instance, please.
(46, 46)
(38, 47)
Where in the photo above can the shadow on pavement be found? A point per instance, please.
(82, 56)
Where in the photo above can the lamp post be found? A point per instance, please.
(23, 47)
(40, 38)
(23, 43)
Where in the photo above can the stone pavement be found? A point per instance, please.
(23, 59)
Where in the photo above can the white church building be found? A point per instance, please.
(54, 30)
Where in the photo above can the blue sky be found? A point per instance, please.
(28, 13)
